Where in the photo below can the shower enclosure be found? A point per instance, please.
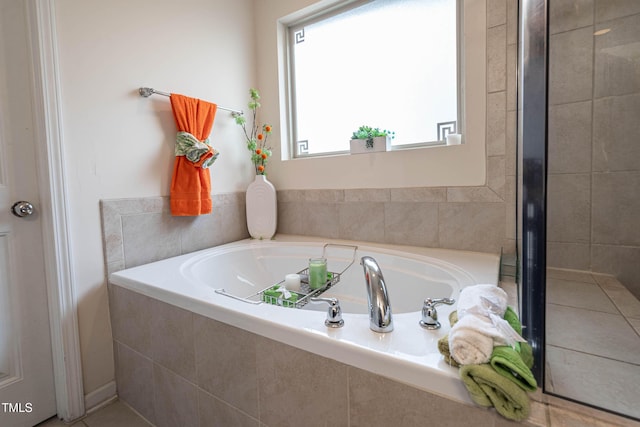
(578, 207)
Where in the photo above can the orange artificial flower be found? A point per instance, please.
(267, 128)
(264, 156)
(261, 168)
(260, 137)
(258, 151)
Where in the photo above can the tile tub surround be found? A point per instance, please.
(243, 379)
(240, 378)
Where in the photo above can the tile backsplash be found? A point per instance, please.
(139, 231)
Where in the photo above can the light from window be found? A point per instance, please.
(391, 64)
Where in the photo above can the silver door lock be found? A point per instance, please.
(22, 209)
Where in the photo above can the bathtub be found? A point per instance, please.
(222, 283)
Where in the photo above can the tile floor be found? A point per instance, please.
(593, 340)
(116, 414)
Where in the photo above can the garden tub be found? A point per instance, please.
(225, 283)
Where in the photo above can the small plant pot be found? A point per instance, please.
(380, 143)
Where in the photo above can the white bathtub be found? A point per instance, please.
(407, 354)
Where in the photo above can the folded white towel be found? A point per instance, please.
(472, 338)
(481, 325)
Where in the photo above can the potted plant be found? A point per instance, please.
(367, 139)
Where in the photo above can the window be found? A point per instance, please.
(391, 64)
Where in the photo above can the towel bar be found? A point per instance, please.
(148, 91)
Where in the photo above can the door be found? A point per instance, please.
(27, 394)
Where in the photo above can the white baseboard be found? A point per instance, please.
(99, 397)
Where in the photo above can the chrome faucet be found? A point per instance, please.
(380, 319)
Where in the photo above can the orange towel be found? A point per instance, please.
(191, 184)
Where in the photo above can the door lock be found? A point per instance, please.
(22, 209)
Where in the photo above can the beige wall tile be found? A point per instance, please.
(569, 208)
(290, 217)
(411, 224)
(234, 223)
(615, 210)
(571, 66)
(295, 383)
(615, 133)
(175, 399)
(607, 9)
(150, 237)
(367, 195)
(361, 221)
(377, 401)
(472, 226)
(576, 256)
(511, 223)
(496, 123)
(496, 12)
(512, 22)
(320, 219)
(511, 142)
(129, 308)
(496, 178)
(565, 15)
(134, 379)
(215, 412)
(111, 233)
(200, 232)
(569, 138)
(497, 58)
(324, 196)
(172, 339)
(226, 364)
(473, 194)
(512, 77)
(421, 194)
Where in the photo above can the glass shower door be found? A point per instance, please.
(593, 204)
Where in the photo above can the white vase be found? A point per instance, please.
(262, 208)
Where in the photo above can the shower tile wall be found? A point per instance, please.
(594, 157)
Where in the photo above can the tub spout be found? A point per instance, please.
(380, 319)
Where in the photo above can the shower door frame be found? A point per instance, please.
(532, 173)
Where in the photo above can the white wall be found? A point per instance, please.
(463, 165)
(120, 145)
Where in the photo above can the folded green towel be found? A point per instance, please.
(512, 318)
(509, 363)
(278, 295)
(526, 352)
(488, 388)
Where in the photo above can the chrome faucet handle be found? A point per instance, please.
(430, 315)
(334, 313)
